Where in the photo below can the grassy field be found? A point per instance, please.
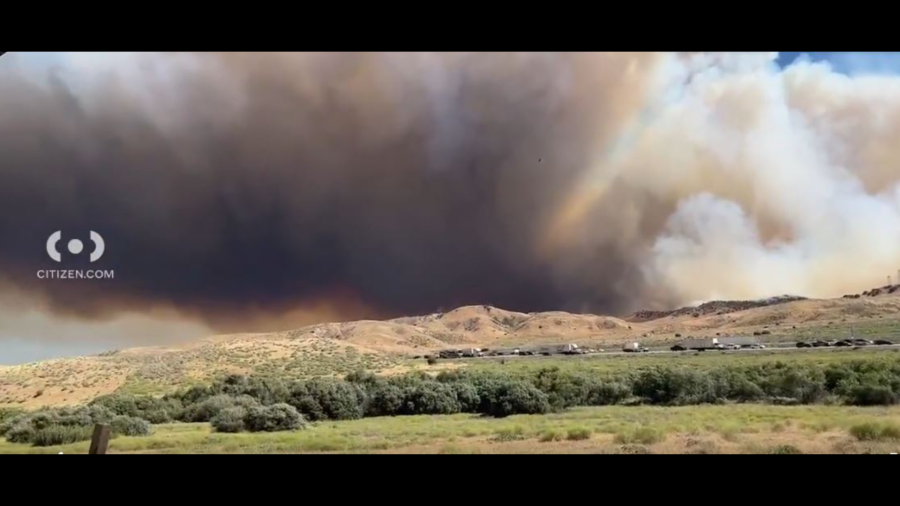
(747, 428)
(728, 428)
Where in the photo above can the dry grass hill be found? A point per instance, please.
(387, 346)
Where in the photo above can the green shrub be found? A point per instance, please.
(866, 432)
(194, 395)
(456, 450)
(550, 435)
(22, 432)
(364, 379)
(872, 395)
(84, 416)
(890, 431)
(7, 414)
(643, 435)
(328, 399)
(452, 376)
(737, 385)
(429, 398)
(507, 434)
(578, 434)
(150, 408)
(60, 435)
(118, 404)
(100, 414)
(512, 398)
(207, 409)
(158, 416)
(229, 419)
(704, 448)
(875, 432)
(124, 425)
(43, 419)
(384, 400)
(276, 417)
(24, 428)
(785, 450)
(677, 387)
(804, 385)
(8, 424)
(264, 390)
(466, 396)
(563, 390)
(632, 449)
(608, 392)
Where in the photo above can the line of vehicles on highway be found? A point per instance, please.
(842, 343)
(682, 347)
(716, 343)
(690, 344)
(564, 349)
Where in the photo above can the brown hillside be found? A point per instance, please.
(339, 348)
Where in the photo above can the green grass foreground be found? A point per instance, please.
(741, 428)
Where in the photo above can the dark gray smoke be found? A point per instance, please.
(236, 183)
(238, 188)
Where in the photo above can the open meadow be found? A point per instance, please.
(689, 419)
(746, 428)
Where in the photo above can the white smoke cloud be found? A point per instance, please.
(785, 181)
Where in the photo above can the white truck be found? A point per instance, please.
(570, 349)
(635, 348)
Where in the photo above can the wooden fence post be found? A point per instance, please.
(100, 440)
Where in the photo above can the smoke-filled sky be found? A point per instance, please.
(243, 192)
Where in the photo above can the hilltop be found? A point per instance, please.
(718, 307)
(387, 346)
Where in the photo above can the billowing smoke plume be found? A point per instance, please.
(242, 189)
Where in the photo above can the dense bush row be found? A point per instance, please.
(496, 394)
(551, 389)
(68, 425)
(239, 403)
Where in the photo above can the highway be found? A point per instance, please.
(781, 348)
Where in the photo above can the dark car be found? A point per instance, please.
(883, 342)
(678, 347)
(843, 344)
(820, 343)
(861, 342)
(801, 344)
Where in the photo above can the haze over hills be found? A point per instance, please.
(387, 346)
